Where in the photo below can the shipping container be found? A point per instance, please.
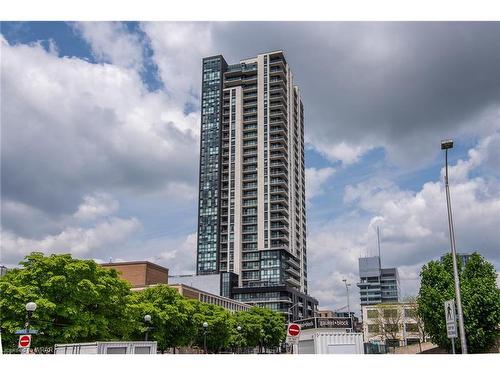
(322, 341)
(99, 347)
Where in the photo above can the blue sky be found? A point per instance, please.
(105, 163)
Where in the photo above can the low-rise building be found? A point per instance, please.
(392, 324)
(3, 270)
(140, 273)
(143, 274)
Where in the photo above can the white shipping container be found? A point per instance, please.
(322, 341)
(100, 347)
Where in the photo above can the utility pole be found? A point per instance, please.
(445, 145)
(378, 243)
(347, 290)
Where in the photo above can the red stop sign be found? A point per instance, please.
(293, 329)
(24, 341)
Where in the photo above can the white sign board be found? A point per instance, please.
(292, 340)
(451, 319)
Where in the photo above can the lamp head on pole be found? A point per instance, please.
(205, 324)
(31, 306)
(238, 328)
(147, 318)
(446, 144)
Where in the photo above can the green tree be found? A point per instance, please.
(219, 327)
(272, 324)
(251, 325)
(171, 316)
(480, 301)
(77, 301)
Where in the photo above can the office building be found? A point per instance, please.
(462, 258)
(377, 284)
(252, 217)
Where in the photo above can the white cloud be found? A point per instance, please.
(413, 225)
(347, 153)
(177, 254)
(95, 206)
(78, 241)
(315, 179)
(178, 48)
(88, 127)
(111, 42)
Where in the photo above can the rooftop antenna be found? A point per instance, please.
(378, 242)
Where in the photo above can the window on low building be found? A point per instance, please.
(411, 327)
(373, 328)
(390, 313)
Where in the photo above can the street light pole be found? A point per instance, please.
(445, 145)
(30, 308)
(239, 330)
(289, 321)
(147, 319)
(261, 334)
(347, 290)
(205, 325)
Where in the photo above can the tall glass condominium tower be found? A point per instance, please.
(252, 217)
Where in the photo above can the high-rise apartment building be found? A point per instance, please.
(377, 284)
(252, 218)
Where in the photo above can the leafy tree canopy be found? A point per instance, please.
(219, 327)
(480, 301)
(77, 300)
(171, 316)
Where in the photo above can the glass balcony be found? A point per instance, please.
(279, 181)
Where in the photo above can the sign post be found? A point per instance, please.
(451, 322)
(24, 343)
(293, 333)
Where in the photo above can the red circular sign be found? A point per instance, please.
(293, 329)
(24, 341)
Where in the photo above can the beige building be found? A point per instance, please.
(392, 324)
(326, 314)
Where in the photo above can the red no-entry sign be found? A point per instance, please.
(24, 341)
(293, 329)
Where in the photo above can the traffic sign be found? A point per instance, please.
(293, 330)
(450, 316)
(24, 341)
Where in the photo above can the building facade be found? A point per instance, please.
(252, 218)
(392, 324)
(221, 284)
(377, 284)
(214, 289)
(140, 273)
